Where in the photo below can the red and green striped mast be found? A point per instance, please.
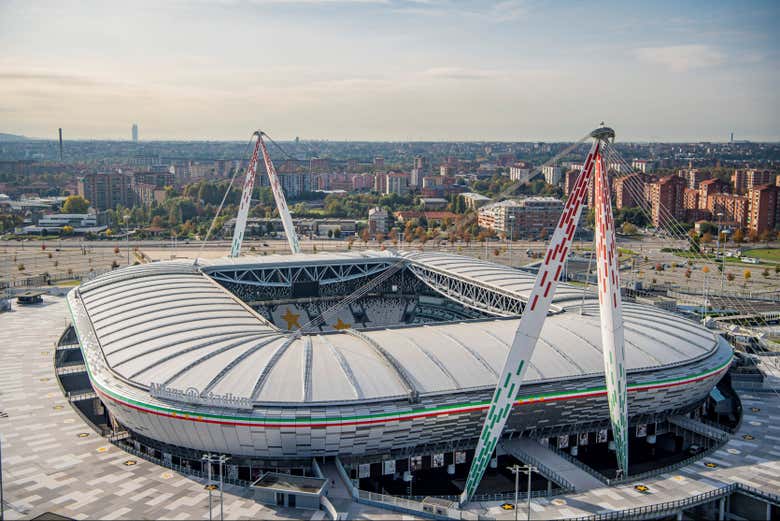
(538, 306)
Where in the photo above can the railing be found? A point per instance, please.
(429, 510)
(315, 467)
(70, 369)
(700, 428)
(79, 396)
(328, 507)
(582, 466)
(182, 470)
(659, 509)
(723, 437)
(543, 468)
(353, 490)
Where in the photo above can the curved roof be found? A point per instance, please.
(169, 323)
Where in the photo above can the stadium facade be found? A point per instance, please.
(228, 355)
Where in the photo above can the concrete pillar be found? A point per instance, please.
(680, 516)
(549, 487)
(574, 450)
(451, 469)
(494, 463)
(721, 509)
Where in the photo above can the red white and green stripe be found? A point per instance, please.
(369, 419)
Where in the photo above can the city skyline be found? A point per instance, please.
(390, 70)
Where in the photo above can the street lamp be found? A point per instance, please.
(516, 470)
(511, 235)
(222, 459)
(127, 236)
(722, 253)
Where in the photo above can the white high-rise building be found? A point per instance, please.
(135, 132)
(552, 174)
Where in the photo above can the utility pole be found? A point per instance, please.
(127, 237)
(515, 469)
(222, 460)
(2, 499)
(529, 469)
(208, 458)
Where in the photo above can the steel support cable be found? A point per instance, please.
(676, 229)
(675, 226)
(224, 198)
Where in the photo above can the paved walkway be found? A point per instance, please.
(754, 461)
(53, 462)
(580, 479)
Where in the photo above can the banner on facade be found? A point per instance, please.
(563, 441)
(641, 430)
(460, 457)
(437, 460)
(416, 462)
(364, 470)
(603, 436)
(583, 438)
(388, 467)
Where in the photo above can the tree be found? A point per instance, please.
(67, 229)
(729, 277)
(746, 274)
(75, 204)
(765, 273)
(706, 238)
(738, 237)
(628, 228)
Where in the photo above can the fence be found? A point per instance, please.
(47, 280)
(660, 509)
(718, 435)
(544, 470)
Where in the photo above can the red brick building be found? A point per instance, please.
(764, 208)
(666, 199)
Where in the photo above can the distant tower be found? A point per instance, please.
(135, 132)
(60, 144)
(732, 137)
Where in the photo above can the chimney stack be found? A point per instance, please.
(60, 144)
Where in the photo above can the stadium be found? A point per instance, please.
(373, 357)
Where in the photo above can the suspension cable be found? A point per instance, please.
(676, 230)
(224, 198)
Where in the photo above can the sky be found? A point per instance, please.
(400, 70)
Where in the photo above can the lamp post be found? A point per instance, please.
(516, 470)
(722, 253)
(127, 236)
(207, 458)
(511, 235)
(222, 460)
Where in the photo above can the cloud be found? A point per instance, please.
(459, 73)
(508, 11)
(681, 58)
(481, 11)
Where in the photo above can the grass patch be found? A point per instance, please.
(68, 283)
(767, 254)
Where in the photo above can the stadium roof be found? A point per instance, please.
(169, 323)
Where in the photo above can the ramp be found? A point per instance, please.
(551, 465)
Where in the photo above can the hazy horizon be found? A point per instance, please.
(390, 70)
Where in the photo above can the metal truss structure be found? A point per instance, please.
(246, 199)
(285, 276)
(534, 314)
(468, 293)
